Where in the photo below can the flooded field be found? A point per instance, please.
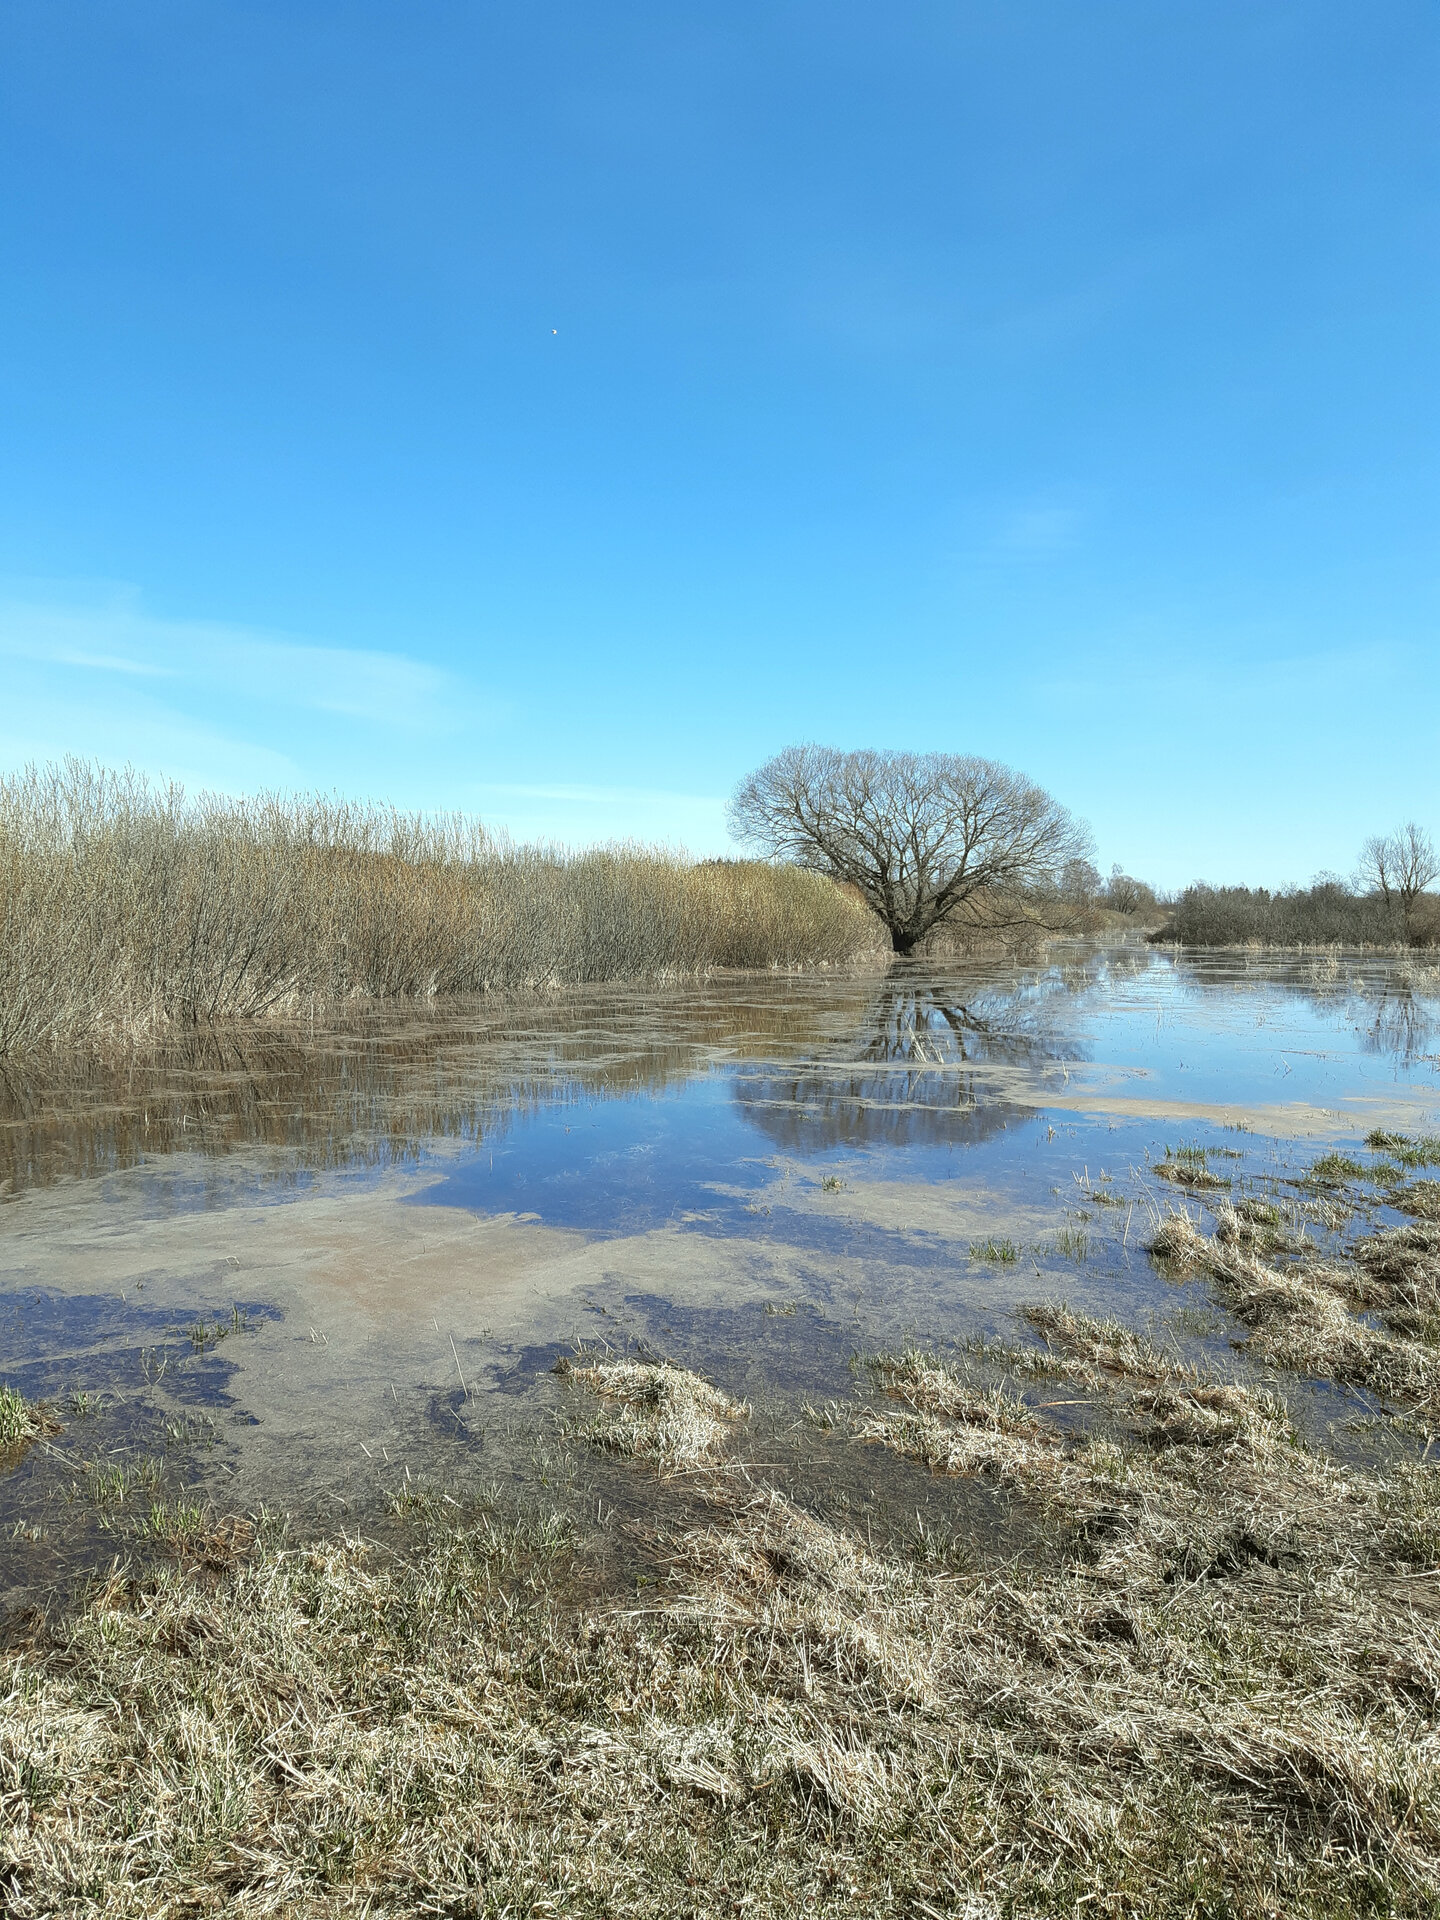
(319, 1272)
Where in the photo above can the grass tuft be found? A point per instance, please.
(22, 1420)
(996, 1253)
(1300, 1317)
(661, 1414)
(1406, 1149)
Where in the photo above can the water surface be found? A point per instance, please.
(298, 1267)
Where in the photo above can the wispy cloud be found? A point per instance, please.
(388, 689)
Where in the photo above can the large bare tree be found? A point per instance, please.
(1400, 866)
(925, 837)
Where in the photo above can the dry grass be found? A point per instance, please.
(126, 908)
(1301, 1319)
(1101, 1347)
(1402, 1274)
(952, 1425)
(1212, 1690)
(661, 1414)
(1422, 1199)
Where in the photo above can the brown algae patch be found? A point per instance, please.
(661, 1414)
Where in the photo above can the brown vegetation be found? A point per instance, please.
(126, 908)
(1210, 1688)
(657, 1413)
(1302, 1317)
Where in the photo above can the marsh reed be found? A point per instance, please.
(127, 908)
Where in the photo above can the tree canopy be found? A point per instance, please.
(924, 837)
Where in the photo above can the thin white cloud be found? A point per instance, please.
(208, 658)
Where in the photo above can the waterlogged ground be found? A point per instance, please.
(317, 1271)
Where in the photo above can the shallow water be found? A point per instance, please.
(306, 1269)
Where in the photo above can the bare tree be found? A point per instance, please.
(924, 837)
(1399, 866)
(1125, 894)
(1375, 869)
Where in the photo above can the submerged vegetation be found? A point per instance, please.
(127, 908)
(1209, 1685)
(657, 1413)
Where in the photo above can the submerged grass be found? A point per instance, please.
(1211, 1689)
(1188, 1167)
(1302, 1317)
(1404, 1148)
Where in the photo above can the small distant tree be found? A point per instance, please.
(1125, 894)
(924, 837)
(1399, 866)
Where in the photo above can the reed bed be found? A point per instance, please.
(128, 908)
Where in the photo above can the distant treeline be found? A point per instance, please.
(126, 908)
(1329, 913)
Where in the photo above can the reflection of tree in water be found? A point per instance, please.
(1391, 1005)
(921, 1072)
(1401, 1025)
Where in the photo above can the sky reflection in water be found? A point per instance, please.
(942, 1073)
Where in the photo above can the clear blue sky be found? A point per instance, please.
(551, 411)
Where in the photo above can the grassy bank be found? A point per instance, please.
(126, 908)
(1325, 915)
(1208, 1685)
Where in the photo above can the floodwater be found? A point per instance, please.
(308, 1270)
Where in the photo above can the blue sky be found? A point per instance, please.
(553, 411)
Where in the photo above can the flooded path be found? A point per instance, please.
(311, 1270)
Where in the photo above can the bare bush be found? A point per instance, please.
(925, 838)
(1327, 914)
(127, 907)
